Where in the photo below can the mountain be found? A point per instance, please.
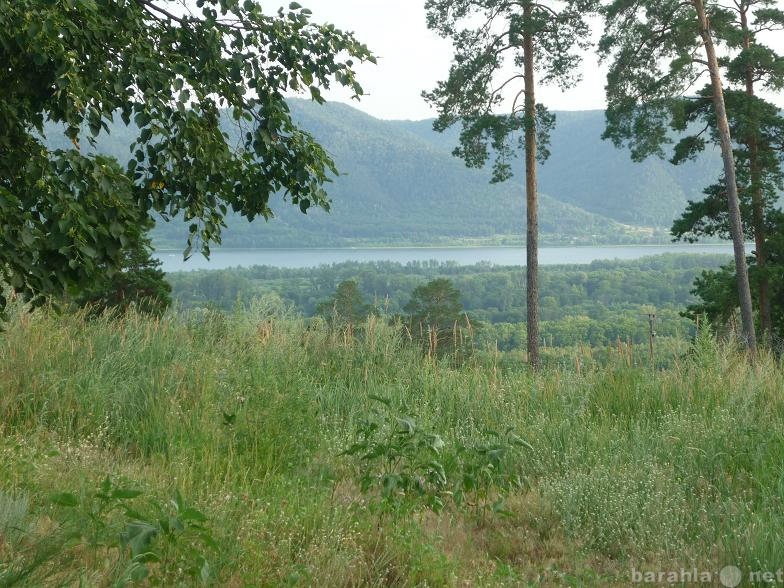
(400, 185)
(587, 172)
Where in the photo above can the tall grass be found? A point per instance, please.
(246, 415)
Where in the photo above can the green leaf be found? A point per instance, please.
(519, 442)
(385, 401)
(138, 536)
(499, 508)
(134, 514)
(142, 119)
(204, 570)
(27, 238)
(126, 494)
(88, 251)
(136, 571)
(191, 514)
(389, 484)
(407, 425)
(64, 499)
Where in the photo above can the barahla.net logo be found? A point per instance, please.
(728, 576)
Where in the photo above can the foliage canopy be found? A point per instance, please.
(180, 76)
(484, 78)
(346, 306)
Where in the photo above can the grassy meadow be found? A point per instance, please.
(210, 448)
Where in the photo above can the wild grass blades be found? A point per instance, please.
(245, 414)
(13, 515)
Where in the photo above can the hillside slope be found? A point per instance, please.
(587, 172)
(397, 187)
(400, 184)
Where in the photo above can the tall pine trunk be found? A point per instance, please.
(736, 224)
(757, 201)
(532, 201)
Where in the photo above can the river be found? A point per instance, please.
(302, 258)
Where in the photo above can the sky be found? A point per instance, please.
(412, 58)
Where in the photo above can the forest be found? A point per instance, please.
(592, 304)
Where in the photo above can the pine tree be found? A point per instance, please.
(493, 41)
(434, 313)
(659, 50)
(346, 306)
(758, 129)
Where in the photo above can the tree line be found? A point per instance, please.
(592, 304)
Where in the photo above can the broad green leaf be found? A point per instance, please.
(138, 536)
(64, 499)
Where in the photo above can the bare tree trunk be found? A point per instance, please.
(757, 202)
(532, 201)
(736, 225)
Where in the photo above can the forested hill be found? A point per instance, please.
(401, 185)
(589, 173)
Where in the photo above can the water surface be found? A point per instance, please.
(302, 258)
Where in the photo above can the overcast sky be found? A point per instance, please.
(413, 59)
